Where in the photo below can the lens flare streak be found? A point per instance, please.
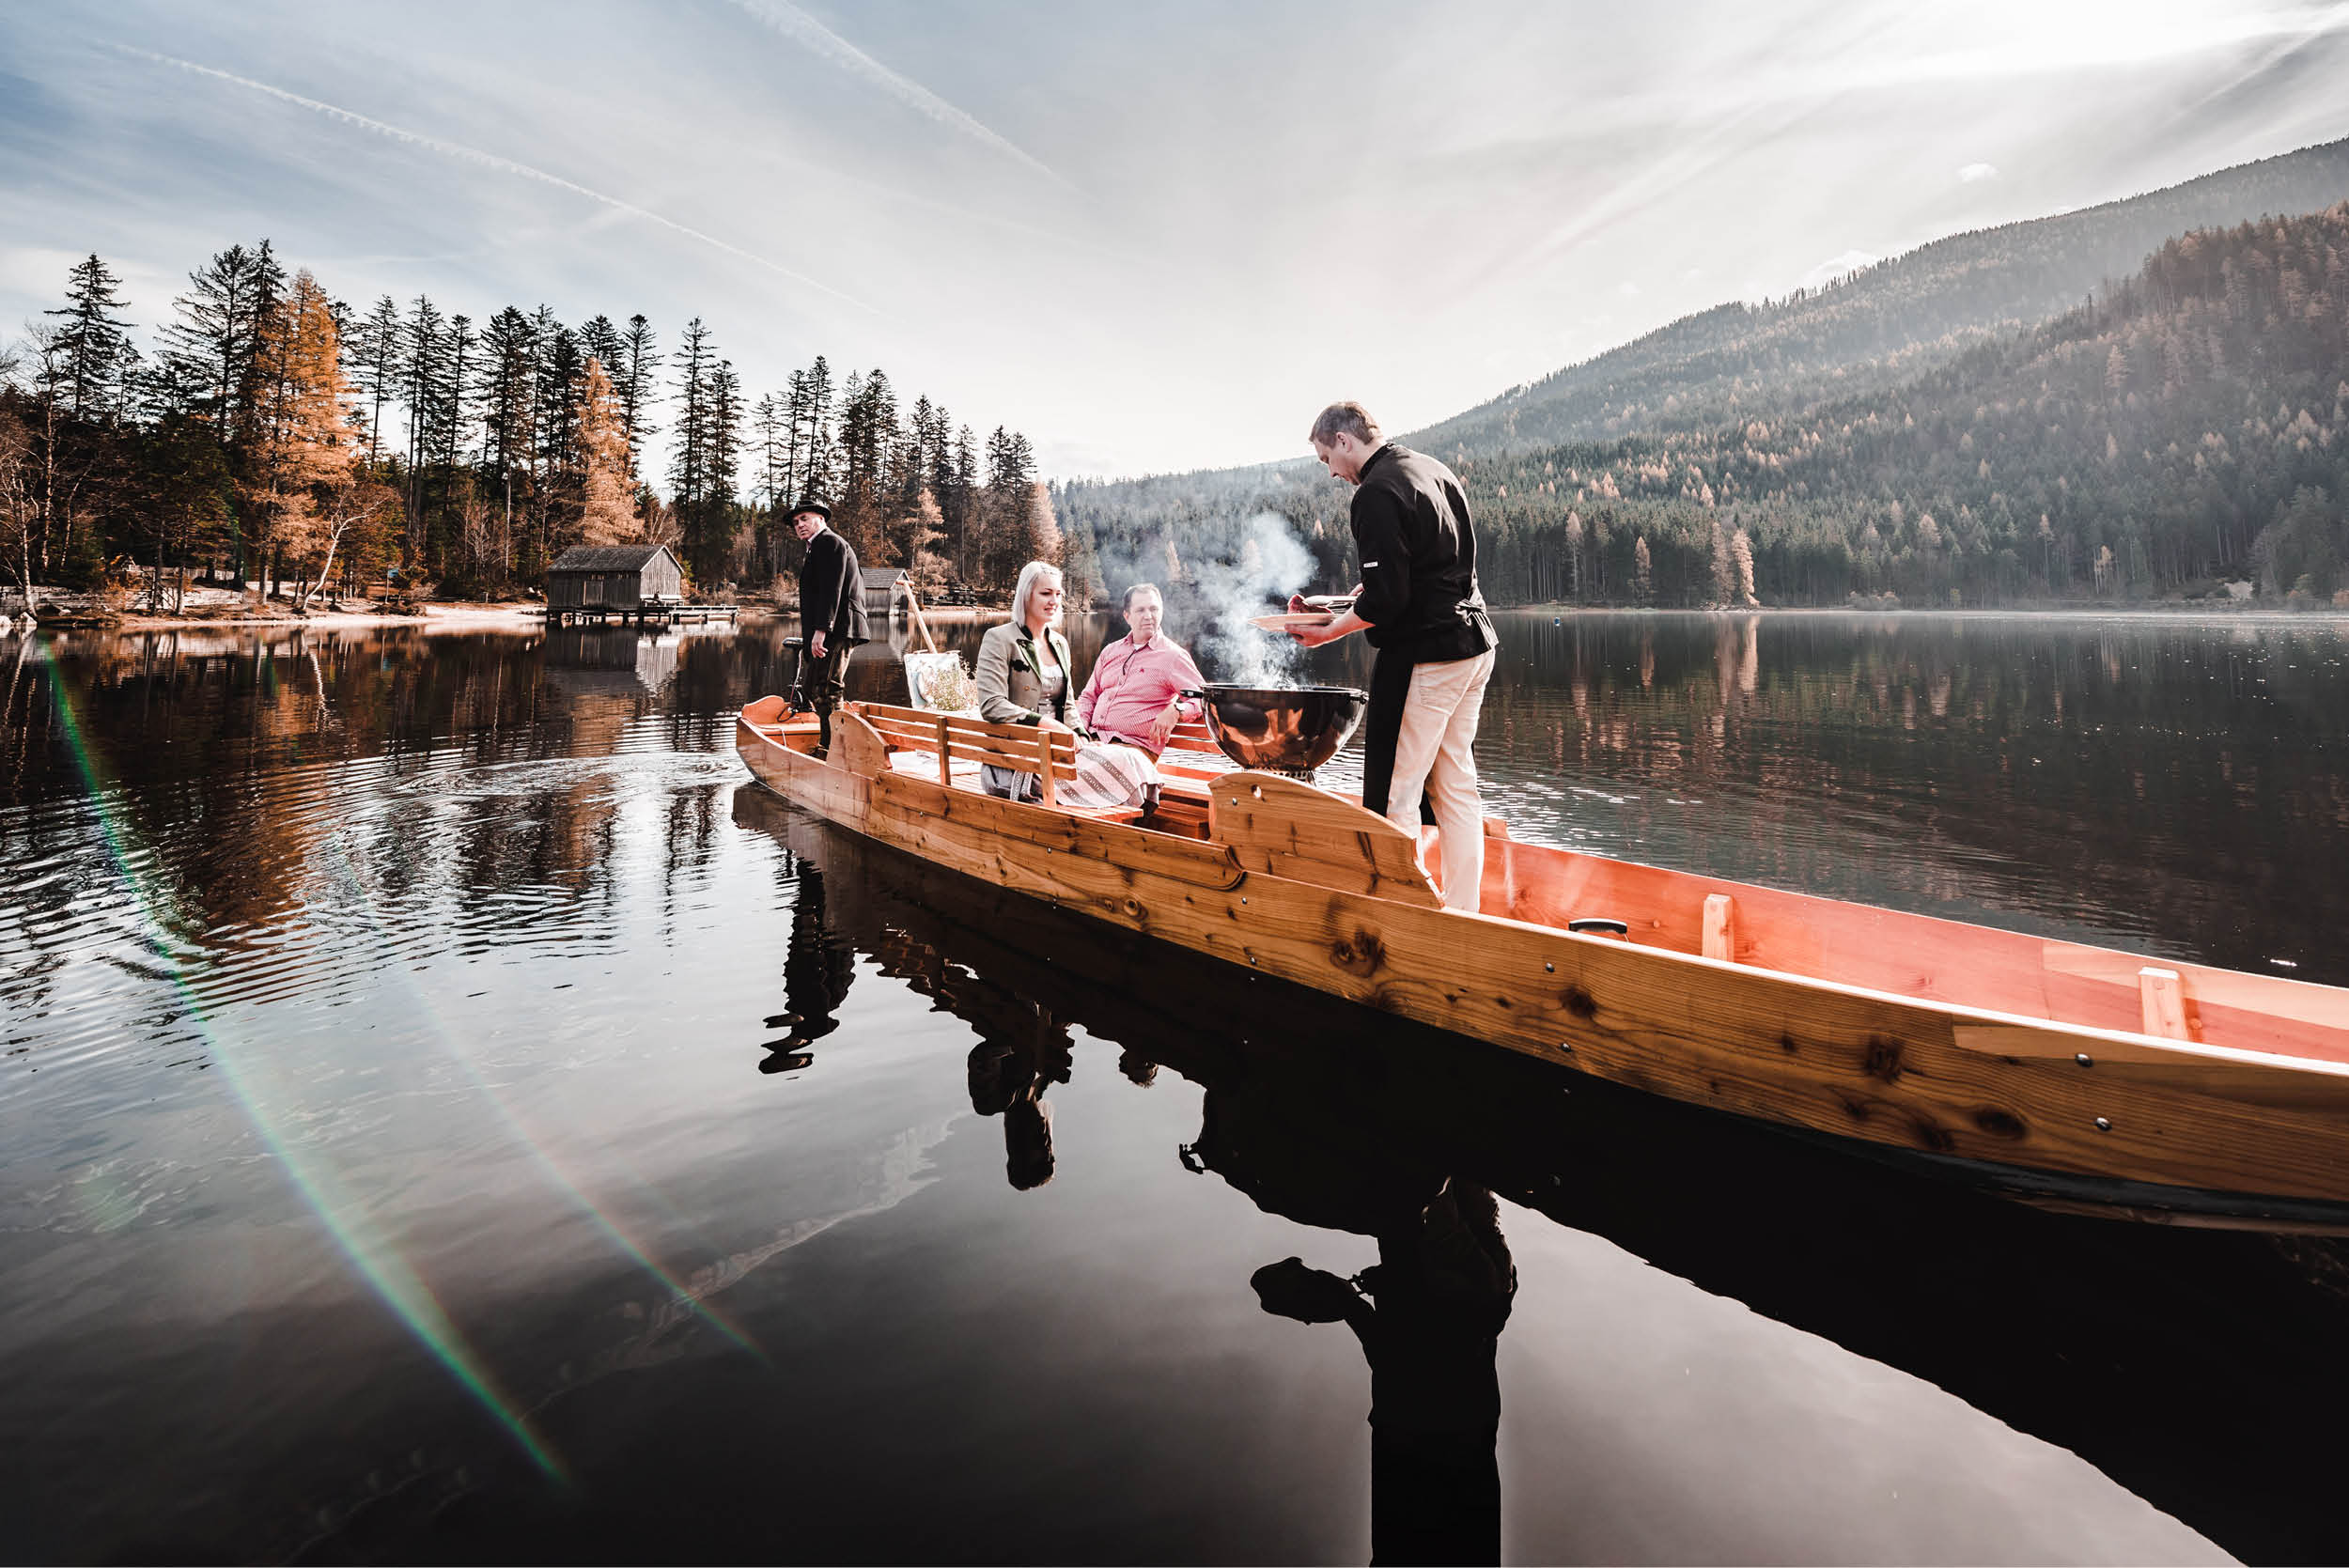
(358, 1236)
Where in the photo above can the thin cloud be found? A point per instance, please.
(491, 161)
(796, 24)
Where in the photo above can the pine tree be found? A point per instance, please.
(561, 369)
(634, 381)
(377, 362)
(269, 281)
(688, 456)
(726, 432)
(600, 338)
(209, 342)
(720, 546)
(456, 391)
(424, 352)
(767, 421)
(868, 439)
(1006, 535)
(96, 357)
(509, 374)
(958, 501)
(810, 409)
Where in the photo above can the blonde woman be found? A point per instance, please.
(1025, 677)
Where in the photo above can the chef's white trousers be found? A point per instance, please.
(1436, 753)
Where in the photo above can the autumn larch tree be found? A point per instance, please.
(608, 500)
(316, 488)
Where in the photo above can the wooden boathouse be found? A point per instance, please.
(885, 588)
(602, 583)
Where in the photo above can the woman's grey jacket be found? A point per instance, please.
(1011, 691)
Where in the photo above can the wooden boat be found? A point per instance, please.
(2068, 1075)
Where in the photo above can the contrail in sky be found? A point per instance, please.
(491, 161)
(796, 24)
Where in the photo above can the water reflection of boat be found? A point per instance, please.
(2125, 1344)
(2065, 1073)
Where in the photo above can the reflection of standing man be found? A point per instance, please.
(831, 611)
(1420, 604)
(1428, 1314)
(818, 966)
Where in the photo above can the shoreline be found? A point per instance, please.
(2272, 615)
(525, 615)
(528, 616)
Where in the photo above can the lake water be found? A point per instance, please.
(449, 1113)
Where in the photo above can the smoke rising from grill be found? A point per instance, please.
(1216, 574)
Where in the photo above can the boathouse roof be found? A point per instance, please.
(606, 557)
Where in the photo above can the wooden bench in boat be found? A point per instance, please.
(955, 746)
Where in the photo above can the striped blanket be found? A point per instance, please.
(1108, 777)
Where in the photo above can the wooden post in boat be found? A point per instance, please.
(2162, 999)
(1043, 764)
(1720, 927)
(913, 606)
(945, 769)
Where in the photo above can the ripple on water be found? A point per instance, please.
(352, 867)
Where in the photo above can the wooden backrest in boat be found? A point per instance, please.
(1287, 827)
(1049, 754)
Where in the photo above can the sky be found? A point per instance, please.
(1152, 237)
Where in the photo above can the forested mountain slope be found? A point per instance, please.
(1884, 325)
(1828, 474)
(2192, 423)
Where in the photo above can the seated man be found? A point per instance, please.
(1134, 693)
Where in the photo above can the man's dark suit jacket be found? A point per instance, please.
(832, 593)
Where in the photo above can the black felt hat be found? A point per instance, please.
(810, 504)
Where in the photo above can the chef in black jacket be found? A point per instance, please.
(831, 611)
(1421, 607)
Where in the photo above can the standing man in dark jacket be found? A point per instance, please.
(832, 611)
(1420, 605)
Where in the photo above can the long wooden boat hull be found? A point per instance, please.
(1291, 881)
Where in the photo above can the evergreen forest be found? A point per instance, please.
(270, 431)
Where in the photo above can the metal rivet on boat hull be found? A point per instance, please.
(2083, 1059)
(2104, 1124)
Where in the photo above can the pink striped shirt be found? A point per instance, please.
(1130, 686)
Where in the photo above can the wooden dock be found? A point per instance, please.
(650, 613)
